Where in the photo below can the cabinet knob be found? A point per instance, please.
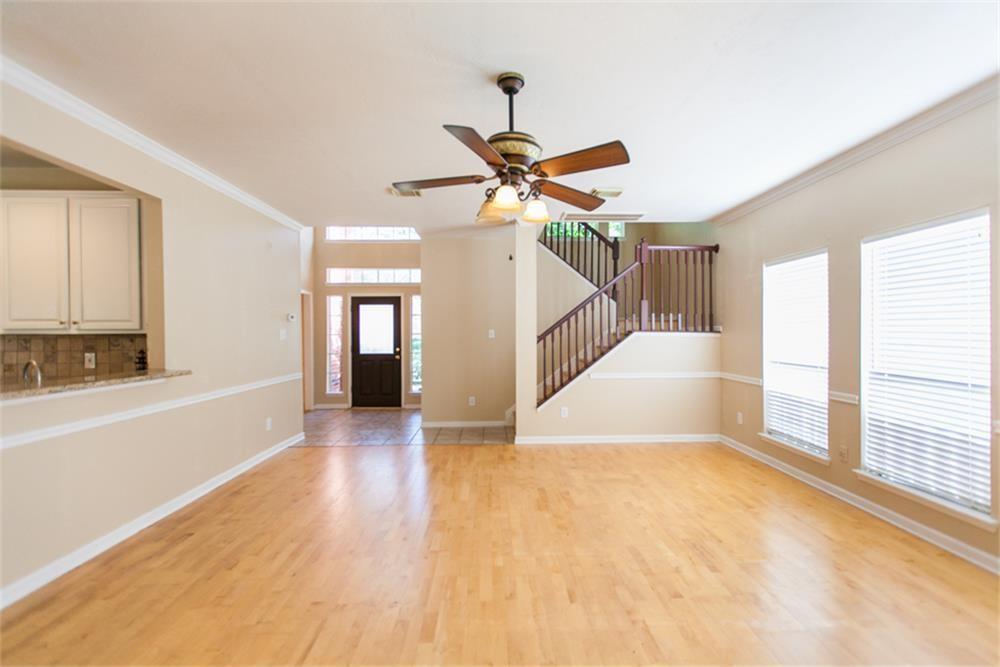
(75, 322)
(62, 321)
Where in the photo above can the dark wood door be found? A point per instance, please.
(375, 352)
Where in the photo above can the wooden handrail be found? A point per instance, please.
(713, 248)
(609, 286)
(596, 232)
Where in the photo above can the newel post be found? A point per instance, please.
(642, 256)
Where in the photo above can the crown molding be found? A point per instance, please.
(45, 91)
(965, 101)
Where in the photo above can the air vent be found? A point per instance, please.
(401, 193)
(600, 217)
(607, 193)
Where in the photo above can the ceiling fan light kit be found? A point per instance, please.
(515, 158)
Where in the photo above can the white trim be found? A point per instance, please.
(795, 449)
(975, 556)
(637, 439)
(25, 585)
(967, 100)
(47, 92)
(842, 397)
(745, 379)
(463, 424)
(660, 375)
(331, 406)
(509, 415)
(18, 439)
(978, 519)
(412, 406)
(8, 402)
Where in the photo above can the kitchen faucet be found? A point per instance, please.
(26, 373)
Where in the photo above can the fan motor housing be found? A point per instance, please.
(519, 149)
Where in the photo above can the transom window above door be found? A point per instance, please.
(371, 234)
(363, 276)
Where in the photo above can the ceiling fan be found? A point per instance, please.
(514, 158)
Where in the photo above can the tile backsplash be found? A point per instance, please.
(61, 355)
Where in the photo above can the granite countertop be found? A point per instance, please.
(18, 389)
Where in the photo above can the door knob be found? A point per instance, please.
(397, 356)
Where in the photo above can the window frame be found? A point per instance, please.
(811, 452)
(326, 234)
(982, 519)
(377, 273)
(329, 355)
(416, 391)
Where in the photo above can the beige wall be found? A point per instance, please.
(468, 289)
(635, 404)
(230, 277)
(358, 255)
(307, 241)
(949, 169)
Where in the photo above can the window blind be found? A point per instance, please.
(926, 360)
(795, 351)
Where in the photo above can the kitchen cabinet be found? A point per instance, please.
(70, 262)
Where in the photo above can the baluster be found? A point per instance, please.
(702, 319)
(663, 290)
(711, 304)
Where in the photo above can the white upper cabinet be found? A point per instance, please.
(104, 264)
(34, 247)
(69, 263)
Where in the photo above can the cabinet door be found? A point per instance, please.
(34, 263)
(104, 264)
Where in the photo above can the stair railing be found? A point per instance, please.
(584, 248)
(667, 288)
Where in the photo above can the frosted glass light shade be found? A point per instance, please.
(536, 212)
(506, 199)
(489, 215)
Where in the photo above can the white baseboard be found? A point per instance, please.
(331, 406)
(614, 439)
(977, 557)
(16, 590)
(482, 424)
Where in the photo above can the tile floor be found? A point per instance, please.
(354, 428)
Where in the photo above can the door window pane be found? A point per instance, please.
(416, 365)
(375, 323)
(335, 313)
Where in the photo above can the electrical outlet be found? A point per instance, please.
(90, 360)
(564, 412)
(739, 417)
(843, 453)
(282, 333)
(996, 426)
(492, 333)
(268, 424)
(472, 401)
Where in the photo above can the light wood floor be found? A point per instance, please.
(683, 553)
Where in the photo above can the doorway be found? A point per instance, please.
(376, 365)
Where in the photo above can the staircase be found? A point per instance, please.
(667, 288)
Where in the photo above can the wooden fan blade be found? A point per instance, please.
(595, 157)
(408, 186)
(478, 145)
(569, 195)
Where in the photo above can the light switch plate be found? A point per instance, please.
(739, 417)
(282, 333)
(564, 412)
(492, 333)
(268, 424)
(90, 360)
(472, 401)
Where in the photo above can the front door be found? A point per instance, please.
(375, 353)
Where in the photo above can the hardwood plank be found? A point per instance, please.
(491, 554)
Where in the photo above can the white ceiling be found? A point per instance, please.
(316, 108)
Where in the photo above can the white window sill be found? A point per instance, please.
(812, 456)
(960, 512)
